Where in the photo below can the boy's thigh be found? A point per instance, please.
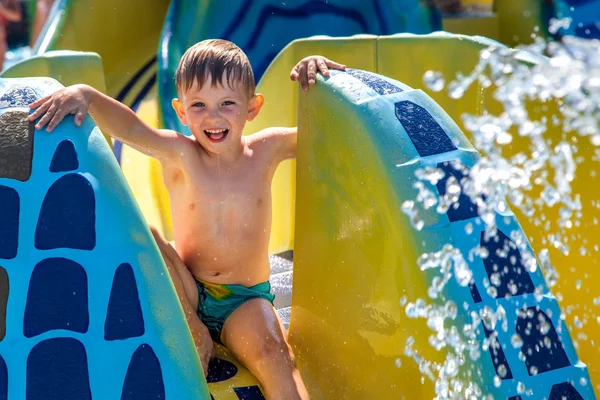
(254, 328)
(182, 278)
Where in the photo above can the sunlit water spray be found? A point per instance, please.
(565, 73)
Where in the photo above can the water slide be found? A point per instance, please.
(371, 262)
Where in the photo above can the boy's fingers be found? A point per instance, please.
(42, 109)
(58, 116)
(333, 64)
(79, 117)
(312, 72)
(39, 102)
(42, 122)
(294, 75)
(302, 76)
(323, 68)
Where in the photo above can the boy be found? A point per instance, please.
(219, 183)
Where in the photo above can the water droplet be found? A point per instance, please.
(434, 80)
(516, 341)
(456, 90)
(497, 381)
(533, 370)
(469, 228)
(502, 371)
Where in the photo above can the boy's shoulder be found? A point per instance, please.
(272, 134)
(278, 141)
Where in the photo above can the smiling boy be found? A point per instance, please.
(219, 183)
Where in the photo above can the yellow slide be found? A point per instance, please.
(354, 251)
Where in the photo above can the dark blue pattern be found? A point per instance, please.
(57, 369)
(68, 215)
(4, 291)
(564, 391)
(57, 298)
(143, 92)
(466, 209)
(249, 393)
(124, 317)
(144, 378)
(237, 20)
(18, 96)
(591, 31)
(498, 357)
(537, 354)
(220, 370)
(9, 222)
(307, 9)
(3, 380)
(576, 3)
(501, 264)
(118, 145)
(373, 81)
(65, 157)
(134, 79)
(426, 134)
(474, 292)
(382, 24)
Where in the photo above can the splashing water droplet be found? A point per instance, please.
(434, 80)
(502, 371)
(516, 341)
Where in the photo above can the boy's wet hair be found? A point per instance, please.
(217, 58)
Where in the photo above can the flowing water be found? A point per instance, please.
(533, 180)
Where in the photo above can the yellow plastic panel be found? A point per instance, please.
(355, 253)
(280, 109)
(67, 67)
(125, 34)
(517, 20)
(486, 25)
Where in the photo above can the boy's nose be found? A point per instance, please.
(214, 114)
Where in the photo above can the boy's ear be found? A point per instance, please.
(255, 105)
(180, 110)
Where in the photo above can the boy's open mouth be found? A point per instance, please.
(216, 135)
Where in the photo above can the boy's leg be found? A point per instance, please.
(257, 338)
(186, 289)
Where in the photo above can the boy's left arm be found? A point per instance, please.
(305, 72)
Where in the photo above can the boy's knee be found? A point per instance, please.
(274, 348)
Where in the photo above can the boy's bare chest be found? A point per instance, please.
(222, 203)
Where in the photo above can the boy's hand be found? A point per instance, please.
(207, 353)
(70, 100)
(305, 71)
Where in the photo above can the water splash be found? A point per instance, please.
(564, 76)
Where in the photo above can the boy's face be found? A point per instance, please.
(216, 115)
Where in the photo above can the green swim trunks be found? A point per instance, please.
(217, 301)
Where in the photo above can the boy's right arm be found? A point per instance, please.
(113, 118)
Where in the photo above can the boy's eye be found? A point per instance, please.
(198, 104)
(228, 103)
